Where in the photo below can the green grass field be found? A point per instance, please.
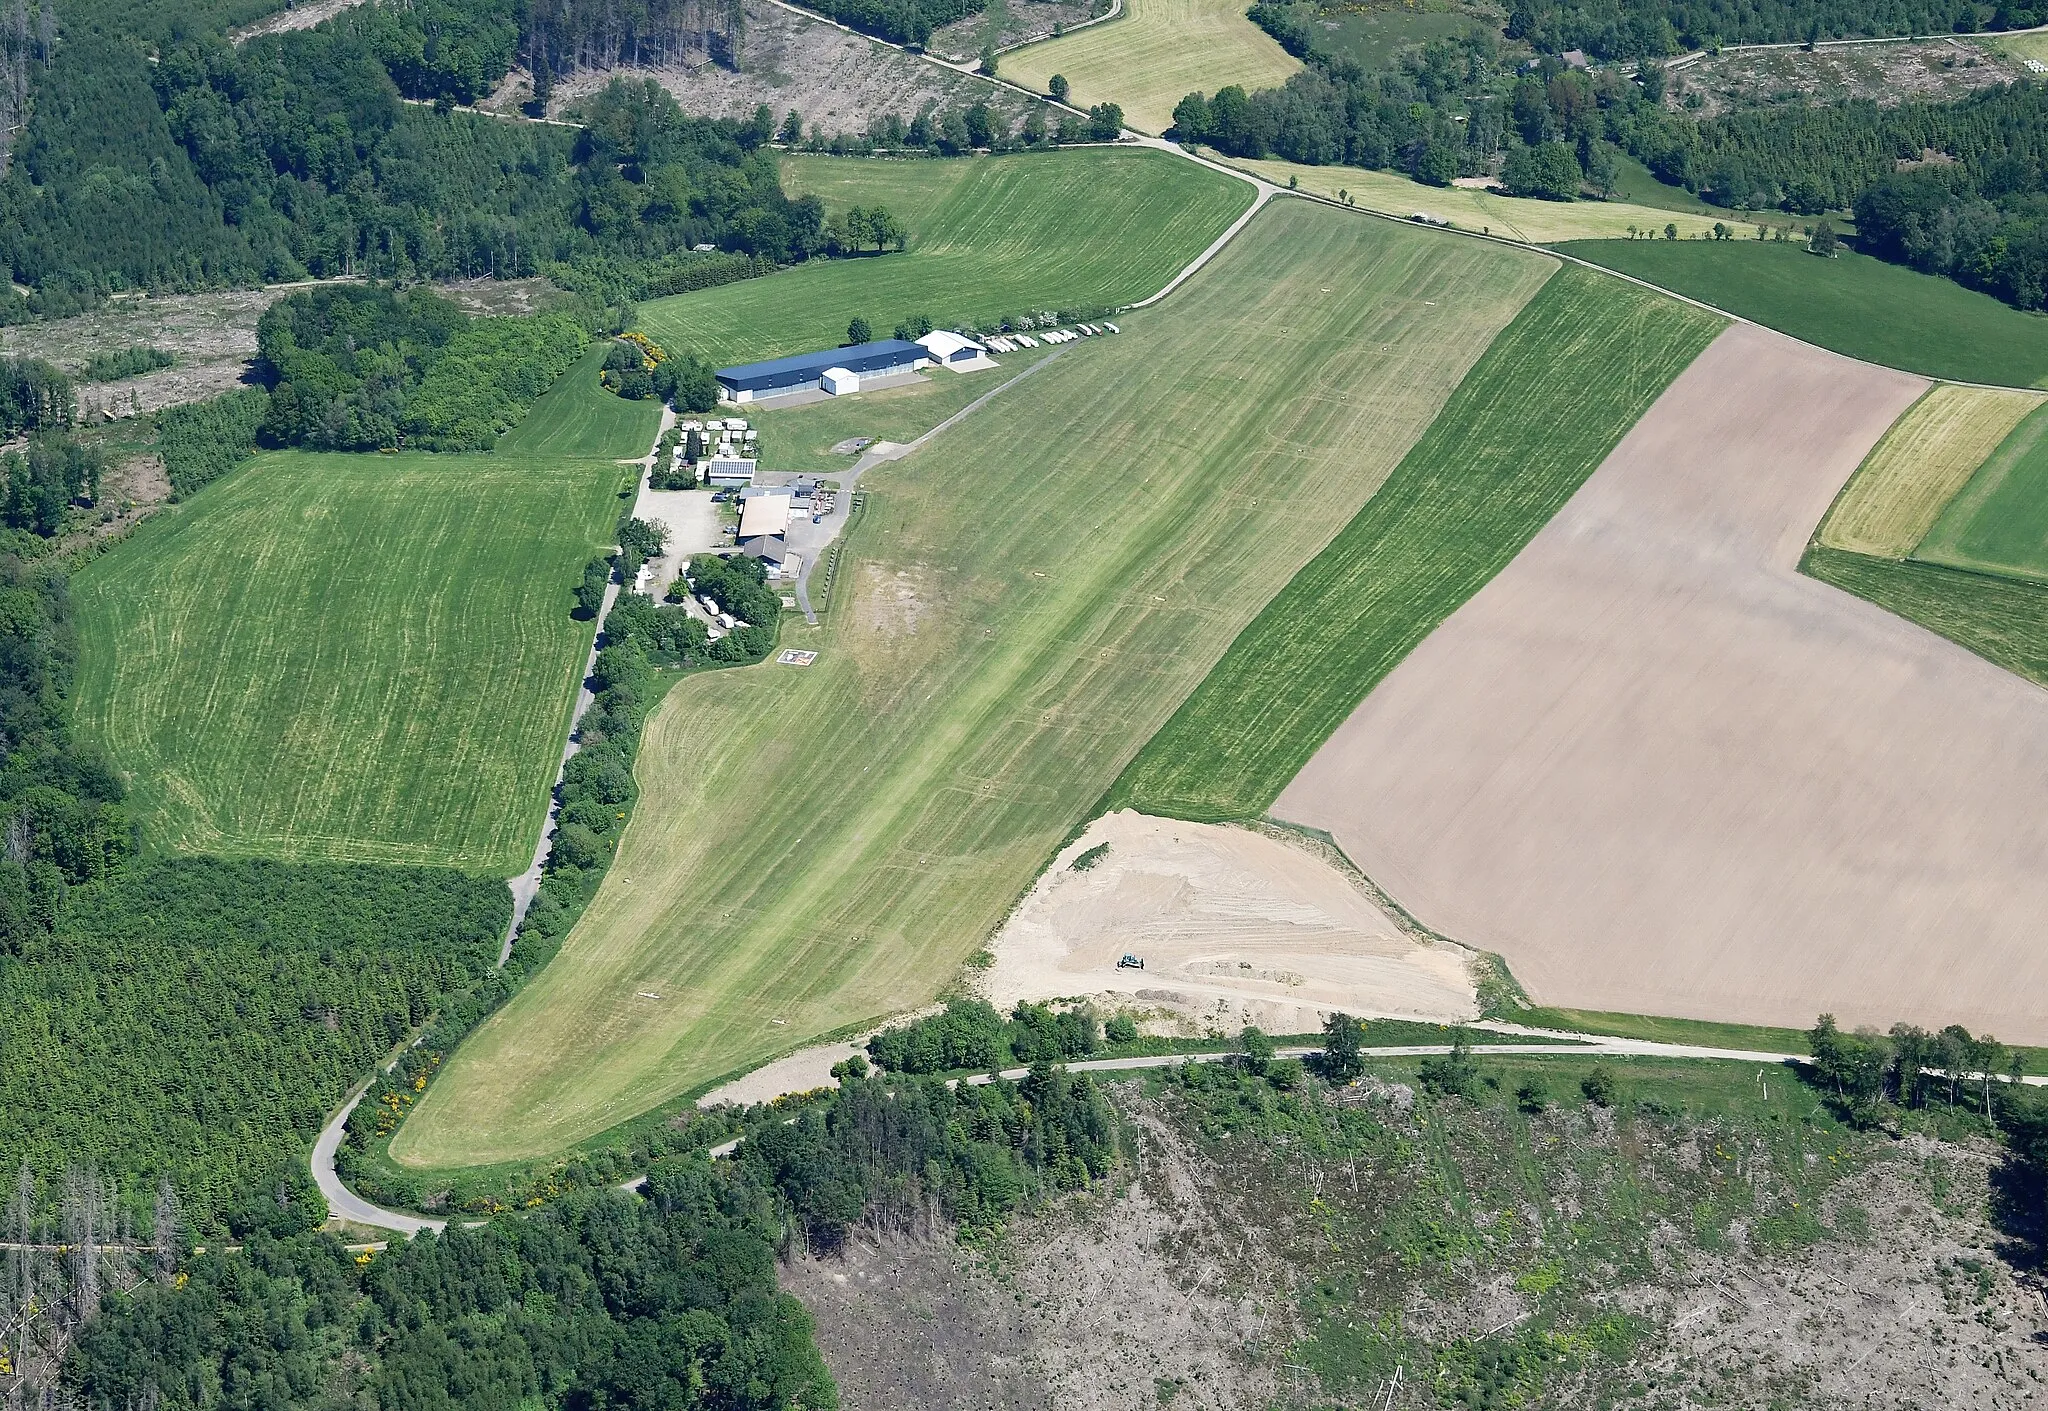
(802, 438)
(1998, 522)
(350, 657)
(577, 417)
(1853, 304)
(1070, 229)
(2003, 620)
(1553, 395)
(1024, 602)
(1153, 56)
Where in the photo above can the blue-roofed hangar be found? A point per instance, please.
(752, 381)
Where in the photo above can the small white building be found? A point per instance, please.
(838, 382)
(729, 470)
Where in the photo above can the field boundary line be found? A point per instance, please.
(1584, 263)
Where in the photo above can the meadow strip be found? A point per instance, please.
(1852, 304)
(1929, 454)
(1553, 395)
(1998, 523)
(1157, 53)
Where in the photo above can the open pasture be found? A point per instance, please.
(1853, 304)
(1998, 523)
(1661, 772)
(802, 438)
(1489, 212)
(1052, 230)
(1026, 600)
(1923, 461)
(909, 188)
(347, 657)
(1156, 54)
(1567, 379)
(577, 417)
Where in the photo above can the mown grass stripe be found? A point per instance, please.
(1537, 414)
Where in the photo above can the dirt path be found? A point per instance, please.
(1235, 927)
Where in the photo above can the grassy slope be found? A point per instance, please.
(911, 189)
(363, 658)
(1928, 455)
(1999, 521)
(1538, 222)
(2003, 620)
(1017, 614)
(577, 417)
(1855, 305)
(1064, 229)
(1550, 399)
(1155, 55)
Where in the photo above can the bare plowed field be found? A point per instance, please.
(1660, 771)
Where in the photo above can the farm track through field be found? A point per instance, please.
(1023, 609)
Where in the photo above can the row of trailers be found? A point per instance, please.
(1011, 342)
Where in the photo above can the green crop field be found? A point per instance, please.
(1052, 230)
(2003, 620)
(350, 657)
(577, 417)
(910, 188)
(1998, 522)
(1553, 395)
(1153, 55)
(1025, 600)
(1853, 304)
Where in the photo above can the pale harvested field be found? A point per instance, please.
(1155, 55)
(1017, 613)
(1235, 928)
(1929, 454)
(1661, 772)
(1490, 212)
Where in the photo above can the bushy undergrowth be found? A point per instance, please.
(968, 1035)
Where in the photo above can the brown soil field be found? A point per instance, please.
(837, 80)
(1659, 771)
(1929, 454)
(1235, 927)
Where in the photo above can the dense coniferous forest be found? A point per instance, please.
(298, 156)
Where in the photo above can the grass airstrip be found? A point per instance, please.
(1553, 395)
(989, 236)
(1026, 600)
(1153, 55)
(348, 657)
